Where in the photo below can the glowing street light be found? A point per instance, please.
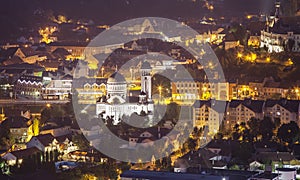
(290, 62)
(102, 71)
(239, 55)
(159, 89)
(297, 92)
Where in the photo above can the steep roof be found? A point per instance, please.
(216, 105)
(290, 105)
(25, 152)
(254, 105)
(45, 139)
(9, 52)
(146, 65)
(80, 82)
(116, 77)
(16, 122)
(274, 156)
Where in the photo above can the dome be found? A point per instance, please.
(146, 65)
(116, 77)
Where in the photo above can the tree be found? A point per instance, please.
(253, 125)
(173, 111)
(192, 144)
(6, 138)
(46, 114)
(289, 45)
(266, 128)
(288, 132)
(80, 141)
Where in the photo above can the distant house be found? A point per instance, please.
(254, 41)
(16, 157)
(148, 136)
(256, 166)
(230, 44)
(8, 56)
(204, 158)
(44, 142)
(18, 127)
(276, 159)
(88, 156)
(222, 150)
(65, 144)
(56, 131)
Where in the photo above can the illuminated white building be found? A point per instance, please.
(116, 103)
(277, 37)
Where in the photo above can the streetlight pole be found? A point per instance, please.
(102, 71)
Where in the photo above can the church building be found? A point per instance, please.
(116, 103)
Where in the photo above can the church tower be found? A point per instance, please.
(146, 79)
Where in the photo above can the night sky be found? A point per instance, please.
(18, 15)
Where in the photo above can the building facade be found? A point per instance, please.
(115, 104)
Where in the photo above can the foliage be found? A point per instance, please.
(80, 141)
(266, 128)
(6, 138)
(288, 132)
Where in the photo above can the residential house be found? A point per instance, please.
(17, 157)
(44, 142)
(243, 110)
(18, 127)
(55, 131)
(65, 144)
(209, 114)
(254, 41)
(283, 109)
(276, 159)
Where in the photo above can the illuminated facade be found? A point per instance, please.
(285, 110)
(58, 89)
(209, 114)
(186, 90)
(242, 110)
(115, 104)
(29, 86)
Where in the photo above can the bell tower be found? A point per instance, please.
(146, 79)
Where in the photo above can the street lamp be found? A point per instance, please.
(239, 55)
(297, 93)
(102, 71)
(159, 89)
